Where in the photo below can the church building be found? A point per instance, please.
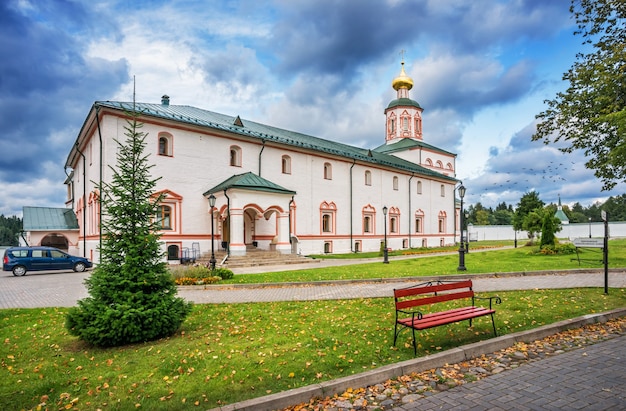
(274, 189)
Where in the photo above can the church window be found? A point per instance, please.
(442, 222)
(164, 217)
(369, 213)
(368, 178)
(328, 171)
(419, 187)
(405, 123)
(395, 183)
(419, 221)
(165, 144)
(393, 125)
(327, 223)
(286, 165)
(443, 190)
(394, 219)
(235, 156)
(328, 212)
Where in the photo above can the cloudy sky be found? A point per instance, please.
(481, 68)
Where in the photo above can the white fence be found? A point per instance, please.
(569, 231)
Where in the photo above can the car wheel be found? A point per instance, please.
(79, 267)
(19, 270)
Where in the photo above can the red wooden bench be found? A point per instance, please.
(409, 299)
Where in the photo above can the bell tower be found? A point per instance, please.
(403, 115)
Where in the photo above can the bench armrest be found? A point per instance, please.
(411, 313)
(494, 299)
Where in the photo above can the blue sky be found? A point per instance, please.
(481, 69)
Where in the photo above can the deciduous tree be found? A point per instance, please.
(591, 114)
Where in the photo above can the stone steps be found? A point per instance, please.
(254, 258)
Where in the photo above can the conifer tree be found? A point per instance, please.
(132, 296)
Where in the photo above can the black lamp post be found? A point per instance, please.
(589, 227)
(461, 266)
(212, 260)
(385, 252)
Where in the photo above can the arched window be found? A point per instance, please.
(439, 164)
(394, 219)
(368, 178)
(419, 187)
(405, 123)
(173, 252)
(165, 144)
(235, 156)
(327, 223)
(429, 162)
(442, 221)
(395, 183)
(393, 125)
(286, 165)
(368, 218)
(328, 171)
(163, 217)
(419, 221)
(328, 212)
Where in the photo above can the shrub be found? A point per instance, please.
(225, 273)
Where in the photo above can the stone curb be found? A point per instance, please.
(404, 279)
(329, 388)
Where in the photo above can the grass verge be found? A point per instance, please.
(524, 259)
(228, 353)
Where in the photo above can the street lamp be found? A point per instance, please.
(212, 260)
(385, 252)
(461, 266)
(589, 227)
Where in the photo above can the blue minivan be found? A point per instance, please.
(23, 259)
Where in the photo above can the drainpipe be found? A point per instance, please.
(100, 185)
(229, 222)
(351, 209)
(410, 212)
(84, 201)
(260, 154)
(290, 227)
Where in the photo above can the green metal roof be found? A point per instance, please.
(560, 214)
(249, 181)
(407, 144)
(204, 118)
(46, 219)
(403, 102)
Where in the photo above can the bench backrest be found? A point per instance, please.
(432, 292)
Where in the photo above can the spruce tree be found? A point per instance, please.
(132, 297)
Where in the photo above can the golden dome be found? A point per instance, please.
(402, 81)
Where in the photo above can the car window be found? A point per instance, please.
(39, 253)
(19, 253)
(56, 254)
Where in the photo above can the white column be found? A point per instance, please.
(283, 245)
(237, 245)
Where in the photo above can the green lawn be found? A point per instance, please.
(228, 353)
(494, 261)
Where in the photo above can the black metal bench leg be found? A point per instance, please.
(414, 343)
(395, 334)
(494, 326)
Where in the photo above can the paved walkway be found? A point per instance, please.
(591, 378)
